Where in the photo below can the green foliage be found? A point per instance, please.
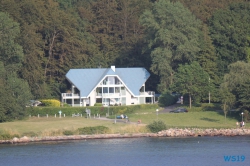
(93, 130)
(68, 132)
(15, 92)
(98, 104)
(237, 81)
(157, 126)
(172, 37)
(204, 9)
(7, 136)
(166, 99)
(68, 111)
(50, 102)
(205, 107)
(227, 99)
(192, 80)
(230, 31)
(11, 53)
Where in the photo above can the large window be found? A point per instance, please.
(111, 89)
(117, 90)
(105, 89)
(111, 80)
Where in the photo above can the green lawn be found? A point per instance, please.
(207, 119)
(55, 126)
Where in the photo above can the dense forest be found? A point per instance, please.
(194, 47)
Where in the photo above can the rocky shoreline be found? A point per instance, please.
(173, 132)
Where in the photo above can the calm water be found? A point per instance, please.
(131, 152)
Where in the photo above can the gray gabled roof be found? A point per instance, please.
(86, 80)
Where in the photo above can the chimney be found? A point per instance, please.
(113, 68)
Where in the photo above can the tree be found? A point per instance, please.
(11, 54)
(237, 81)
(208, 60)
(204, 9)
(192, 80)
(227, 99)
(230, 31)
(172, 36)
(14, 91)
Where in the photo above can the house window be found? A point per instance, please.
(105, 89)
(105, 81)
(111, 80)
(111, 89)
(117, 90)
(98, 91)
(117, 81)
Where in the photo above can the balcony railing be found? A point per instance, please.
(70, 95)
(148, 93)
(108, 94)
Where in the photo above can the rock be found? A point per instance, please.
(24, 139)
(15, 140)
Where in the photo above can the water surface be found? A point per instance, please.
(135, 151)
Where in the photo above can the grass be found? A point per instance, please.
(192, 119)
(57, 126)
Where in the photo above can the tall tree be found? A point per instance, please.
(227, 99)
(208, 61)
(172, 36)
(192, 80)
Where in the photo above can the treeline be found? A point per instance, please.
(42, 39)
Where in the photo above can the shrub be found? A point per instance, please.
(98, 104)
(93, 130)
(7, 136)
(157, 126)
(68, 132)
(166, 99)
(50, 103)
(68, 111)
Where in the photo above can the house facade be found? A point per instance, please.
(109, 86)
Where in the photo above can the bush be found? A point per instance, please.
(98, 104)
(166, 99)
(68, 111)
(50, 103)
(157, 126)
(7, 136)
(68, 132)
(93, 130)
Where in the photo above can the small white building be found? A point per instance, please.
(109, 86)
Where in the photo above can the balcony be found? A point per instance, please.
(108, 95)
(70, 96)
(147, 94)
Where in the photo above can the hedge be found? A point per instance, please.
(68, 111)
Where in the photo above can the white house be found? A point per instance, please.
(109, 86)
